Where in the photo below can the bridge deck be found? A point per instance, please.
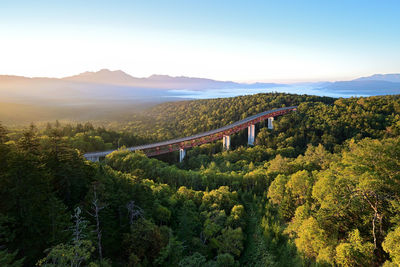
(244, 122)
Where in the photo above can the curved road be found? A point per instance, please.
(229, 129)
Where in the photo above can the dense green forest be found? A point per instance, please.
(320, 189)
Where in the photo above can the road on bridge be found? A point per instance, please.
(198, 139)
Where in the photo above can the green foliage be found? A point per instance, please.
(68, 255)
(77, 252)
(350, 193)
(171, 254)
(355, 252)
(144, 242)
(311, 238)
(6, 237)
(225, 259)
(278, 250)
(195, 260)
(300, 185)
(231, 241)
(184, 118)
(391, 245)
(276, 191)
(295, 199)
(9, 259)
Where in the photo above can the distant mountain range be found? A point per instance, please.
(377, 84)
(394, 78)
(106, 85)
(363, 87)
(119, 77)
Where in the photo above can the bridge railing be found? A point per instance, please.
(201, 138)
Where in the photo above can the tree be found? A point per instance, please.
(3, 134)
(313, 242)
(144, 242)
(376, 183)
(162, 214)
(280, 165)
(68, 255)
(237, 216)
(25, 191)
(315, 158)
(29, 141)
(300, 184)
(69, 171)
(194, 260)
(96, 208)
(4, 150)
(355, 192)
(188, 223)
(8, 259)
(6, 237)
(231, 241)
(74, 254)
(134, 211)
(391, 245)
(171, 254)
(355, 252)
(277, 189)
(225, 260)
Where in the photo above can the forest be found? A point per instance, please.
(320, 189)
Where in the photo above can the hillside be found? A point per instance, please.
(353, 118)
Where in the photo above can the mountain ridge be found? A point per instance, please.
(390, 77)
(107, 85)
(160, 81)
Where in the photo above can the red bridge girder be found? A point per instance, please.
(198, 139)
(212, 137)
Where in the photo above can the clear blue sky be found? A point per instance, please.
(228, 40)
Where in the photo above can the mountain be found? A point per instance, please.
(106, 85)
(119, 77)
(104, 76)
(395, 78)
(377, 84)
(362, 87)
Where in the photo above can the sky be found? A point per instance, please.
(280, 41)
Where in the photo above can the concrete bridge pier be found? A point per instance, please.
(226, 142)
(182, 154)
(171, 145)
(251, 134)
(270, 124)
(93, 159)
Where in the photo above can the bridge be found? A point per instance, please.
(223, 133)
